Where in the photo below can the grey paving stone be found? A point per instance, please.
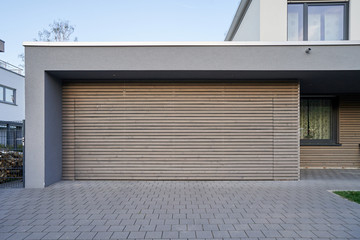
(163, 228)
(226, 227)
(289, 233)
(238, 234)
(305, 234)
(100, 228)
(153, 235)
(147, 228)
(178, 227)
(21, 229)
(53, 229)
(323, 234)
(187, 234)
(221, 234)
(137, 235)
(69, 228)
(203, 234)
(355, 233)
(103, 235)
(85, 228)
(34, 236)
(69, 235)
(194, 227)
(170, 234)
(5, 229)
(120, 235)
(210, 227)
(271, 233)
(341, 234)
(53, 235)
(254, 233)
(18, 236)
(86, 235)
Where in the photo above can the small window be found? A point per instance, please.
(317, 21)
(318, 121)
(7, 95)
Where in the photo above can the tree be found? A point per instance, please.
(60, 31)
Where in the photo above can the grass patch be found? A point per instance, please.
(350, 195)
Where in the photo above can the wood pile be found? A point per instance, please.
(11, 164)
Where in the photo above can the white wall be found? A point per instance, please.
(354, 20)
(249, 29)
(265, 20)
(273, 20)
(9, 112)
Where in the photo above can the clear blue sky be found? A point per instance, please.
(115, 20)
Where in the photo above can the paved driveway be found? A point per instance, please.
(185, 210)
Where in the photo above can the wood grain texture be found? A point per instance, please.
(181, 130)
(348, 154)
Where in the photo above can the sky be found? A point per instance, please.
(115, 21)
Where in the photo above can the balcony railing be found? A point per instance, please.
(11, 67)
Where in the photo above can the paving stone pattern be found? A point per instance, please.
(185, 210)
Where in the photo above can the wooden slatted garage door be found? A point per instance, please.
(180, 130)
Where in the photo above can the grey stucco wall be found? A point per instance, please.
(43, 93)
(241, 57)
(53, 130)
(35, 122)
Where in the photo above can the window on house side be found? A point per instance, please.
(318, 124)
(317, 21)
(7, 95)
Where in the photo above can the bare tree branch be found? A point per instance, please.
(60, 31)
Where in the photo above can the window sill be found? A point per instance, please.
(9, 103)
(321, 144)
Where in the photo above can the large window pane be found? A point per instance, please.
(326, 22)
(315, 119)
(295, 22)
(9, 95)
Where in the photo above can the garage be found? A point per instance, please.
(180, 130)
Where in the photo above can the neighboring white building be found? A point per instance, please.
(12, 92)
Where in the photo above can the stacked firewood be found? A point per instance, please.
(11, 164)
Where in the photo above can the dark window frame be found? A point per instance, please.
(334, 140)
(3, 95)
(306, 16)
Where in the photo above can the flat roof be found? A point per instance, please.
(198, 44)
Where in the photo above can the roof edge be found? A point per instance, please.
(239, 16)
(189, 44)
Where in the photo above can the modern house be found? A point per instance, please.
(234, 110)
(12, 96)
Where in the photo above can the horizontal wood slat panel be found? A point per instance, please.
(348, 154)
(166, 130)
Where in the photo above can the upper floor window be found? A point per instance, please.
(318, 21)
(7, 95)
